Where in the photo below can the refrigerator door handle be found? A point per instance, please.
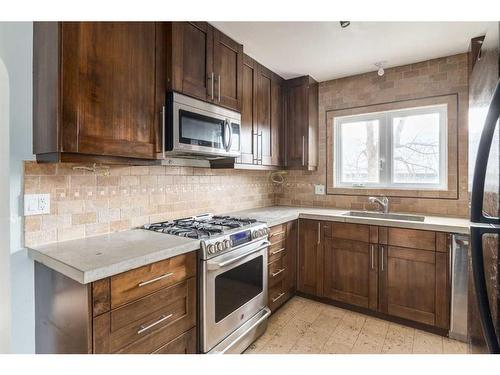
(477, 196)
(480, 287)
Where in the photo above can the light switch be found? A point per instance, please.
(36, 204)
(319, 189)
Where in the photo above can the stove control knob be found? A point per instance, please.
(211, 249)
(220, 246)
(261, 232)
(227, 244)
(255, 234)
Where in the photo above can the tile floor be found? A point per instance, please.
(304, 326)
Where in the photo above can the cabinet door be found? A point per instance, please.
(347, 272)
(109, 88)
(228, 66)
(249, 112)
(192, 59)
(297, 124)
(414, 284)
(269, 116)
(310, 258)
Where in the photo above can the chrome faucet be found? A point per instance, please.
(383, 201)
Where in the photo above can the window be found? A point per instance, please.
(399, 149)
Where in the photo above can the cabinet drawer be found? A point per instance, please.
(137, 283)
(184, 344)
(276, 251)
(277, 270)
(278, 295)
(148, 323)
(277, 233)
(412, 238)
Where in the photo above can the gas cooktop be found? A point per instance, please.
(200, 227)
(217, 234)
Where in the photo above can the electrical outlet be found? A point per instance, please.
(36, 204)
(319, 189)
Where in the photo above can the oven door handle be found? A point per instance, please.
(235, 259)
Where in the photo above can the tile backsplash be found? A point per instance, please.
(84, 203)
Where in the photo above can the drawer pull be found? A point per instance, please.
(278, 297)
(277, 251)
(274, 274)
(144, 283)
(277, 234)
(144, 328)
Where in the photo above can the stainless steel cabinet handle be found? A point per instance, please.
(144, 328)
(218, 86)
(371, 256)
(382, 257)
(212, 79)
(319, 233)
(274, 274)
(278, 297)
(261, 147)
(143, 283)
(277, 251)
(256, 152)
(303, 150)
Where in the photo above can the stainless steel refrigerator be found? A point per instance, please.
(484, 187)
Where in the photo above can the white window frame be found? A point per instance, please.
(386, 152)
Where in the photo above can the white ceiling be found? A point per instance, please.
(326, 51)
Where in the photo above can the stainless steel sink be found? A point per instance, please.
(381, 215)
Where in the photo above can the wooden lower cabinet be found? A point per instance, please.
(399, 272)
(414, 283)
(150, 309)
(309, 272)
(282, 264)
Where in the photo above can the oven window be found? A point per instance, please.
(196, 129)
(237, 286)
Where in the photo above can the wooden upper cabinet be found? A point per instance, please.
(228, 66)
(192, 59)
(248, 137)
(270, 117)
(95, 87)
(262, 134)
(205, 64)
(301, 112)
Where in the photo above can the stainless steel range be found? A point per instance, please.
(233, 278)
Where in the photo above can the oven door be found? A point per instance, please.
(234, 290)
(199, 128)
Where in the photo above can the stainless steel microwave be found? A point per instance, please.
(196, 128)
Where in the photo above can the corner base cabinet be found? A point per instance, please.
(139, 311)
(397, 272)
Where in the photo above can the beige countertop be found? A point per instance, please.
(93, 258)
(280, 214)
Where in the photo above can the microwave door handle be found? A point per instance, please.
(477, 196)
(480, 286)
(230, 136)
(226, 135)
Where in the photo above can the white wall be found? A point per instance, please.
(16, 52)
(4, 212)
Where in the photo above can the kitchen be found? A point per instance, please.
(191, 190)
